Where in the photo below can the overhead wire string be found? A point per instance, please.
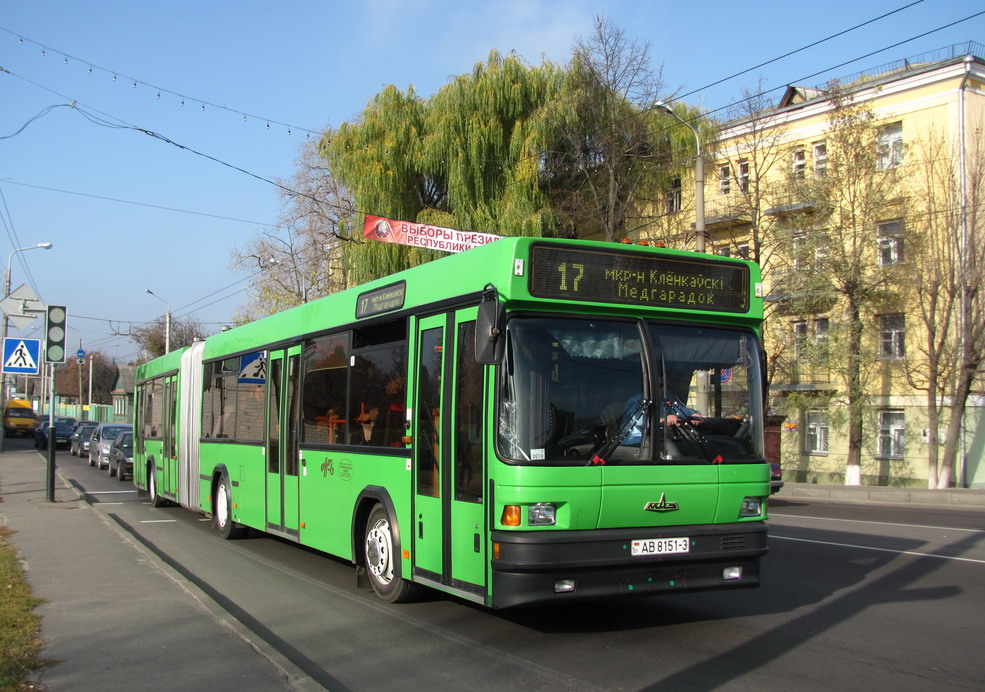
(112, 122)
(139, 204)
(160, 90)
(797, 50)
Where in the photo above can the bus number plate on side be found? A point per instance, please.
(659, 546)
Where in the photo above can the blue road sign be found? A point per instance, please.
(21, 356)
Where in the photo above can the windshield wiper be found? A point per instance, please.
(614, 442)
(689, 430)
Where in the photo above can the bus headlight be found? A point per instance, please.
(751, 507)
(542, 514)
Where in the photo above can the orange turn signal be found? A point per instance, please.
(511, 516)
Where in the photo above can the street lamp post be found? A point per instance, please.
(6, 279)
(6, 323)
(167, 321)
(699, 178)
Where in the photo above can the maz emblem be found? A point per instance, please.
(662, 505)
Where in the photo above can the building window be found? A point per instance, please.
(798, 165)
(816, 437)
(723, 251)
(890, 238)
(820, 159)
(742, 250)
(890, 147)
(673, 201)
(809, 250)
(892, 434)
(821, 333)
(817, 332)
(799, 338)
(743, 177)
(892, 330)
(724, 179)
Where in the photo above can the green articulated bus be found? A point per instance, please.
(531, 421)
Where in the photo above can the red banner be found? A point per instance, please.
(423, 235)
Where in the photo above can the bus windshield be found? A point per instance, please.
(594, 391)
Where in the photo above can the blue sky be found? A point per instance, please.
(127, 212)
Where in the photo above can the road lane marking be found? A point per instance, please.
(878, 523)
(159, 521)
(881, 550)
(111, 492)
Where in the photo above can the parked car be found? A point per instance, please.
(776, 478)
(41, 434)
(79, 444)
(121, 456)
(101, 439)
(63, 434)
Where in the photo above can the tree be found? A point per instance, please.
(302, 258)
(842, 276)
(151, 337)
(103, 371)
(935, 256)
(465, 158)
(970, 239)
(604, 141)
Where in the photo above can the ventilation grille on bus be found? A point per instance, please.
(733, 542)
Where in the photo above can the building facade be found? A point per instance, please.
(859, 200)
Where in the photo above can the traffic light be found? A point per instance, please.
(54, 345)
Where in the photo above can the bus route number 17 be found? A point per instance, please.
(577, 271)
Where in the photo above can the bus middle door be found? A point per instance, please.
(169, 451)
(449, 520)
(281, 444)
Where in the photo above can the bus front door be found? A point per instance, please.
(281, 445)
(449, 521)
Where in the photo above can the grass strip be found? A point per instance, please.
(20, 626)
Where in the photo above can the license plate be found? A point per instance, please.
(659, 546)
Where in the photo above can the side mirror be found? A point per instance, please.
(490, 328)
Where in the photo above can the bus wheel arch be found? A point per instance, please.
(376, 547)
(152, 490)
(222, 506)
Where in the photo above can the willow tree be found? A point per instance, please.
(465, 158)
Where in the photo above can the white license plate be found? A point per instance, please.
(659, 546)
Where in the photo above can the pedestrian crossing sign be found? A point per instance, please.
(21, 356)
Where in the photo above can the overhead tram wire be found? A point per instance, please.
(140, 204)
(802, 79)
(795, 51)
(160, 90)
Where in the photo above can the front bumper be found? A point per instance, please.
(599, 564)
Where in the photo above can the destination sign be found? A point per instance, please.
(381, 300)
(638, 278)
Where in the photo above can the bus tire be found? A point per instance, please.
(222, 511)
(155, 498)
(380, 559)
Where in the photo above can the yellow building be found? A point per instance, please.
(769, 195)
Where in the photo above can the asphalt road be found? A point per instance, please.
(854, 597)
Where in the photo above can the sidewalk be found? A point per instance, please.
(113, 618)
(955, 498)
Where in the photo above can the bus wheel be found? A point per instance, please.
(381, 560)
(222, 515)
(155, 499)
